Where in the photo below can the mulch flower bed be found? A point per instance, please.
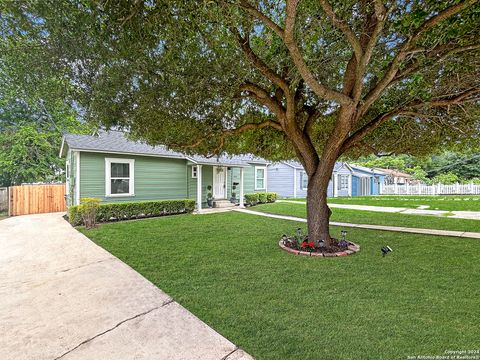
(306, 248)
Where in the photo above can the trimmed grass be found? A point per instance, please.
(450, 202)
(375, 218)
(228, 270)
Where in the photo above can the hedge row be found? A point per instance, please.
(260, 198)
(133, 210)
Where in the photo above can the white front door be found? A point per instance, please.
(219, 182)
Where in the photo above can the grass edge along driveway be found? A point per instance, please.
(229, 271)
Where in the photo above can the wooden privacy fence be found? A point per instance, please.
(36, 199)
(3, 199)
(436, 189)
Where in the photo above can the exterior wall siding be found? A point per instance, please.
(155, 178)
(233, 176)
(249, 179)
(330, 188)
(376, 186)
(280, 179)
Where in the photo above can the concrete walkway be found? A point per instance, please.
(63, 297)
(472, 215)
(463, 234)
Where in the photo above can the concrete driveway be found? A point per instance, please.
(63, 297)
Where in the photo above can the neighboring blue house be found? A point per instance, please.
(366, 181)
(289, 179)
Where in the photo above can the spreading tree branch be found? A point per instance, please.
(230, 132)
(406, 109)
(313, 116)
(405, 47)
(262, 17)
(264, 98)
(344, 28)
(271, 75)
(438, 54)
(289, 39)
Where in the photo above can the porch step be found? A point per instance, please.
(223, 203)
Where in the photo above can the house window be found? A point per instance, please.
(119, 177)
(259, 178)
(194, 172)
(342, 182)
(304, 180)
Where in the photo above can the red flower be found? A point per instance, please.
(310, 245)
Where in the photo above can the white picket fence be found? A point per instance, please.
(436, 189)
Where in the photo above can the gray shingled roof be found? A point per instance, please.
(116, 142)
(368, 170)
(297, 165)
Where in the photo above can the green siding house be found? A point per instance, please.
(111, 167)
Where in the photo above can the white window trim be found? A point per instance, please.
(194, 171)
(264, 168)
(131, 185)
(304, 174)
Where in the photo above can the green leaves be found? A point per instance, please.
(170, 71)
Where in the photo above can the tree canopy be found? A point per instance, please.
(311, 79)
(188, 73)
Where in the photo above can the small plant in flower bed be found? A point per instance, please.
(300, 241)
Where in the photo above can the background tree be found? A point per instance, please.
(34, 113)
(312, 79)
(464, 164)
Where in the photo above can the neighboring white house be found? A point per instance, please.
(397, 177)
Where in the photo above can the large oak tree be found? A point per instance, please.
(311, 79)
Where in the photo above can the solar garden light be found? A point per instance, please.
(344, 235)
(386, 250)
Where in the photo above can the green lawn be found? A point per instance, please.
(376, 218)
(229, 271)
(450, 203)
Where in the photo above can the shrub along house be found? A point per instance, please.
(289, 179)
(113, 168)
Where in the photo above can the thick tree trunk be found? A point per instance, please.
(318, 212)
(318, 216)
